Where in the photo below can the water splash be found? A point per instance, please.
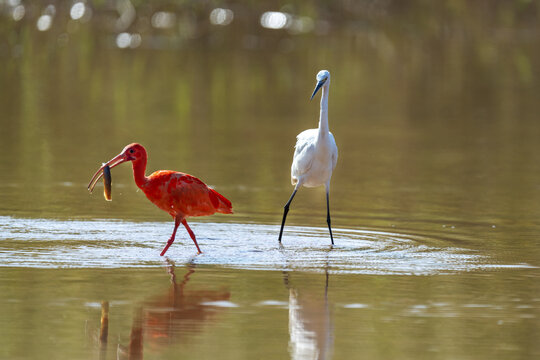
(44, 243)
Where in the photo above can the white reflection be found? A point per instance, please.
(303, 342)
(18, 12)
(13, 3)
(125, 40)
(44, 22)
(310, 325)
(221, 16)
(77, 11)
(274, 20)
(163, 20)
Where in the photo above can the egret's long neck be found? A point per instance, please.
(139, 167)
(323, 118)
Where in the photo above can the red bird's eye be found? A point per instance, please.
(131, 151)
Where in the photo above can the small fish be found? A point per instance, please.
(107, 179)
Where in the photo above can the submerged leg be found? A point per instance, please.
(184, 222)
(171, 240)
(328, 215)
(285, 211)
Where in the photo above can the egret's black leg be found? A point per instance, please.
(285, 211)
(328, 217)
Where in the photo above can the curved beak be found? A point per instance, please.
(117, 160)
(319, 85)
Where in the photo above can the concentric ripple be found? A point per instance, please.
(45, 243)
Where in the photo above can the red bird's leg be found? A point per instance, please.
(184, 222)
(171, 240)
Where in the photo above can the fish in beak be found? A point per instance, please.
(107, 180)
(105, 170)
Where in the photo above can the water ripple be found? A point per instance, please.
(44, 243)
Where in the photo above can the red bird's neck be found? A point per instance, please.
(139, 167)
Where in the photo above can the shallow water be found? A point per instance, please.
(119, 244)
(435, 199)
(208, 311)
(247, 297)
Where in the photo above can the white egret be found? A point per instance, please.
(315, 154)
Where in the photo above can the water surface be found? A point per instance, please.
(120, 244)
(435, 199)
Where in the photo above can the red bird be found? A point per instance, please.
(179, 194)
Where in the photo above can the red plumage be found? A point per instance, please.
(184, 195)
(181, 195)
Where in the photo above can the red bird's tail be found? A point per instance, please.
(220, 202)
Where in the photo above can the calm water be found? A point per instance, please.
(435, 198)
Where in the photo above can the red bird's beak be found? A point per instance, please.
(117, 160)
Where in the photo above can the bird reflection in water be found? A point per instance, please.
(104, 330)
(310, 323)
(167, 319)
(135, 349)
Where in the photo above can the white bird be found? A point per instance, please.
(315, 154)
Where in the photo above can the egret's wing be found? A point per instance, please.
(334, 150)
(303, 154)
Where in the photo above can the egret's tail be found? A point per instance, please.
(220, 202)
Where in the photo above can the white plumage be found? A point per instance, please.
(315, 157)
(315, 154)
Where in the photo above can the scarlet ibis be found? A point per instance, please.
(179, 194)
(315, 154)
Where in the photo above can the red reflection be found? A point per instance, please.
(180, 312)
(164, 320)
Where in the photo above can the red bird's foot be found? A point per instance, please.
(169, 243)
(192, 235)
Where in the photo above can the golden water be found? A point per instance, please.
(435, 198)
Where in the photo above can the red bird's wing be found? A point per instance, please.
(184, 195)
